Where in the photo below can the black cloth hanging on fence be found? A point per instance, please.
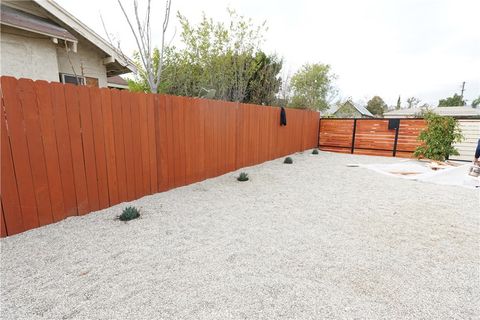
(283, 117)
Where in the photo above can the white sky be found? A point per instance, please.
(421, 48)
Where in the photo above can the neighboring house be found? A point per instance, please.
(42, 41)
(117, 82)
(350, 110)
(456, 112)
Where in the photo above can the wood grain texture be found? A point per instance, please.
(69, 150)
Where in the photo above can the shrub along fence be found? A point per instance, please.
(68, 150)
(381, 137)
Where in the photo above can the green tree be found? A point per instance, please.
(376, 106)
(399, 104)
(312, 87)
(452, 101)
(222, 59)
(265, 82)
(438, 137)
(476, 102)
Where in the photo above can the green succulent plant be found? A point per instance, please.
(243, 176)
(288, 160)
(129, 213)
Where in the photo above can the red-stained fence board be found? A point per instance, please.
(73, 118)
(99, 142)
(46, 119)
(88, 148)
(118, 131)
(109, 146)
(128, 144)
(28, 100)
(10, 200)
(19, 147)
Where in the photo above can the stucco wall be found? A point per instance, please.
(32, 57)
(28, 55)
(87, 61)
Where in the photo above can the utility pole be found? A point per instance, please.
(463, 89)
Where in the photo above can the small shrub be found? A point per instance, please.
(438, 137)
(288, 160)
(243, 176)
(315, 151)
(129, 213)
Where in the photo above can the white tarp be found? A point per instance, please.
(419, 171)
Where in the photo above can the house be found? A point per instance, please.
(117, 82)
(350, 110)
(41, 41)
(456, 112)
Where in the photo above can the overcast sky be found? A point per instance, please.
(421, 48)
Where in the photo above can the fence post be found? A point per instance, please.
(353, 135)
(396, 139)
(318, 134)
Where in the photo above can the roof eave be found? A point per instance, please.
(65, 17)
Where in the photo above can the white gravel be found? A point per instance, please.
(310, 240)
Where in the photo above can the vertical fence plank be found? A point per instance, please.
(142, 108)
(88, 148)
(9, 192)
(223, 135)
(179, 141)
(231, 143)
(64, 149)
(200, 134)
(21, 160)
(162, 143)
(109, 146)
(189, 113)
(169, 140)
(118, 131)
(209, 142)
(152, 149)
(128, 141)
(46, 119)
(137, 146)
(3, 227)
(28, 101)
(73, 119)
(99, 142)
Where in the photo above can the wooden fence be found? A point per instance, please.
(371, 136)
(68, 150)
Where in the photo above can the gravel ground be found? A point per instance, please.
(311, 240)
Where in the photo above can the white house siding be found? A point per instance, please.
(471, 132)
(87, 61)
(32, 57)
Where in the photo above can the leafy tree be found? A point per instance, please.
(265, 82)
(438, 137)
(224, 59)
(476, 102)
(312, 87)
(452, 101)
(413, 102)
(399, 104)
(376, 106)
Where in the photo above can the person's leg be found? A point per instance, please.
(477, 152)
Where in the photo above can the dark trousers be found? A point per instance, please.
(477, 152)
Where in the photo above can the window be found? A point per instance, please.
(70, 78)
